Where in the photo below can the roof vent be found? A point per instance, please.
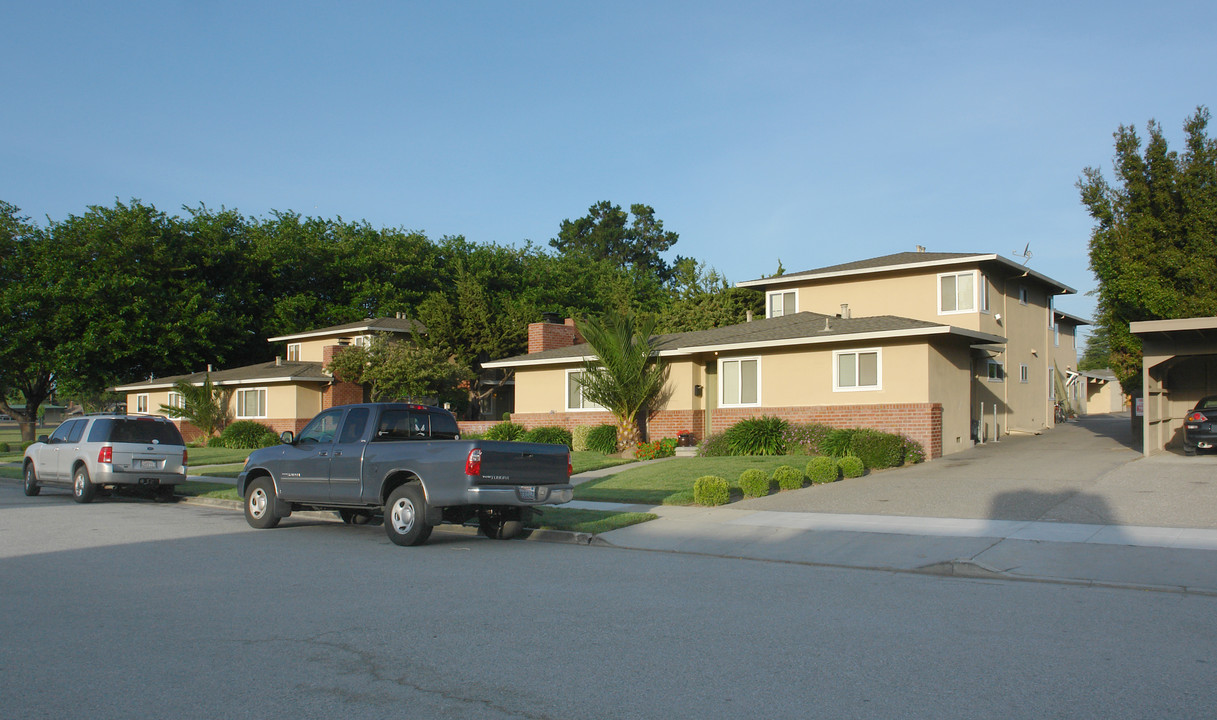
(749, 316)
(278, 360)
(827, 327)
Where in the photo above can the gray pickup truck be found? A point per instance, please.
(407, 462)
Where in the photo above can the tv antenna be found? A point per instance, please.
(1025, 254)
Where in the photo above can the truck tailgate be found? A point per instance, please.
(516, 463)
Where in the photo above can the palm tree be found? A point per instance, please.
(626, 374)
(204, 406)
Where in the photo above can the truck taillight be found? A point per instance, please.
(106, 455)
(570, 469)
(473, 463)
(1196, 416)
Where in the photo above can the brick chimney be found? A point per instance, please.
(552, 333)
(339, 392)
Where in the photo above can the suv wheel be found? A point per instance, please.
(260, 504)
(405, 516)
(83, 489)
(31, 481)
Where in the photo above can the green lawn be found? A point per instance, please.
(206, 489)
(10, 472)
(584, 460)
(229, 470)
(216, 456)
(671, 482)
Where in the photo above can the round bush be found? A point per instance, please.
(3, 447)
(788, 478)
(578, 437)
(711, 490)
(551, 435)
(247, 435)
(822, 470)
(505, 430)
(754, 483)
(851, 466)
(602, 439)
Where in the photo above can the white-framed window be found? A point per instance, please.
(857, 369)
(995, 371)
(251, 403)
(740, 379)
(956, 292)
(1052, 383)
(1022, 294)
(574, 393)
(781, 302)
(1056, 334)
(141, 403)
(984, 294)
(176, 400)
(293, 352)
(1024, 373)
(361, 340)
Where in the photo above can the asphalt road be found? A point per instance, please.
(133, 609)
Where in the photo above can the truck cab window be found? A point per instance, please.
(322, 429)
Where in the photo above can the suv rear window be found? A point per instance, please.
(126, 430)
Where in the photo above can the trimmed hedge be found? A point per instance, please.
(878, 449)
(836, 443)
(505, 430)
(551, 435)
(754, 483)
(822, 469)
(758, 436)
(711, 490)
(602, 439)
(788, 478)
(246, 435)
(578, 437)
(851, 466)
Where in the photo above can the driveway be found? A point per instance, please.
(1080, 472)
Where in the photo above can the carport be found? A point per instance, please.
(1179, 366)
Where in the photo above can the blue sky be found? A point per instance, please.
(810, 132)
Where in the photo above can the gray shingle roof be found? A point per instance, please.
(904, 258)
(367, 325)
(288, 371)
(797, 327)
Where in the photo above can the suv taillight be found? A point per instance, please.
(184, 457)
(1196, 416)
(106, 455)
(473, 463)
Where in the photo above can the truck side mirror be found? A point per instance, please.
(287, 437)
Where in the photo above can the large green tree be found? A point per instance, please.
(400, 370)
(608, 233)
(30, 320)
(1153, 247)
(626, 375)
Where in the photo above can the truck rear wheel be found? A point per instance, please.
(501, 524)
(406, 516)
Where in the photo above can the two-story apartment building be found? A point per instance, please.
(284, 393)
(942, 347)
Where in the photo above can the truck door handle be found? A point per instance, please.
(337, 453)
(322, 453)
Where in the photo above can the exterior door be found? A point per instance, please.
(346, 459)
(306, 468)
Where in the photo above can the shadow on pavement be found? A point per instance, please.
(1114, 426)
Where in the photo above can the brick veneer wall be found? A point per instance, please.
(920, 421)
(190, 433)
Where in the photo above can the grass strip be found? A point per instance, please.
(586, 521)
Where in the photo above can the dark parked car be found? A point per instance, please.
(1200, 426)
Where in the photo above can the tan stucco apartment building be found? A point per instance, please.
(942, 347)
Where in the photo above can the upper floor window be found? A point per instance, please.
(1022, 294)
(574, 392)
(782, 302)
(957, 292)
(856, 369)
(984, 294)
(293, 352)
(996, 372)
(1023, 372)
(741, 381)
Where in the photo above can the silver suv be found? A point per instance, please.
(102, 450)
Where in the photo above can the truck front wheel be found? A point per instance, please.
(260, 504)
(405, 516)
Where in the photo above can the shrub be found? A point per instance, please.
(26, 445)
(788, 478)
(247, 435)
(805, 439)
(757, 436)
(578, 437)
(663, 448)
(822, 469)
(711, 490)
(836, 443)
(878, 449)
(754, 483)
(851, 466)
(602, 439)
(714, 446)
(505, 430)
(913, 452)
(3, 447)
(214, 441)
(549, 434)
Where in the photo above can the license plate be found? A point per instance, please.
(528, 492)
(147, 465)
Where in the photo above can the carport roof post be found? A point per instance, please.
(1162, 341)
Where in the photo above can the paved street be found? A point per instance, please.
(128, 609)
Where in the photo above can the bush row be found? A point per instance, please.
(774, 436)
(753, 483)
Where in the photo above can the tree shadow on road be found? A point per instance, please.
(1117, 427)
(1064, 509)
